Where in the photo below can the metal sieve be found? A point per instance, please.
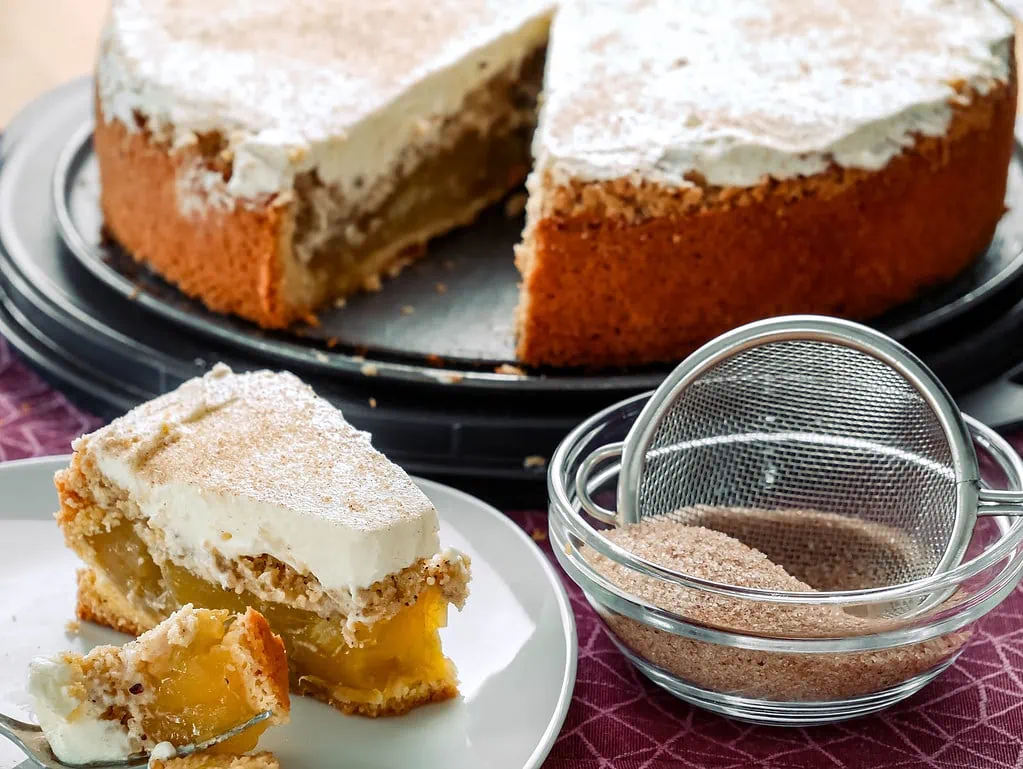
(799, 419)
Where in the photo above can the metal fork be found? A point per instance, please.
(31, 740)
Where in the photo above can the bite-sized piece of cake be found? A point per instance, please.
(704, 164)
(272, 156)
(243, 490)
(194, 676)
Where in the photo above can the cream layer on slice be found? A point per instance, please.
(233, 465)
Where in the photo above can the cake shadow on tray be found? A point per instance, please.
(657, 216)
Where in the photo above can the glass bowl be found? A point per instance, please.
(777, 656)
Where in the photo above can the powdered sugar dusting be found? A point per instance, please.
(340, 86)
(199, 188)
(733, 91)
(260, 458)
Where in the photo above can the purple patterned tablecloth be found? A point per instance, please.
(972, 716)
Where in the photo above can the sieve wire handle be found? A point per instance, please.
(1000, 502)
(583, 478)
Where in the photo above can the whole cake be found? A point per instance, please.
(698, 164)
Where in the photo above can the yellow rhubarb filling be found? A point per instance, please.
(199, 692)
(389, 659)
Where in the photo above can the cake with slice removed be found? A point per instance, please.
(196, 675)
(698, 165)
(248, 490)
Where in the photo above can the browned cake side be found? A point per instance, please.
(413, 697)
(619, 274)
(100, 602)
(277, 260)
(263, 659)
(231, 259)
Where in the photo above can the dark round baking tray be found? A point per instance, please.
(115, 352)
(469, 327)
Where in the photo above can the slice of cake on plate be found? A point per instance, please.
(272, 156)
(196, 675)
(244, 490)
(703, 164)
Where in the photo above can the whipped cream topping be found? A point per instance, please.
(75, 731)
(736, 90)
(340, 86)
(232, 465)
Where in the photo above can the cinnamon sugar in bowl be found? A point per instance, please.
(708, 605)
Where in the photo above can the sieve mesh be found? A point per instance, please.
(809, 426)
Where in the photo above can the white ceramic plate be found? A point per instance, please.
(514, 643)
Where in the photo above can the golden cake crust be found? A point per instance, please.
(413, 697)
(268, 661)
(616, 273)
(100, 602)
(232, 258)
